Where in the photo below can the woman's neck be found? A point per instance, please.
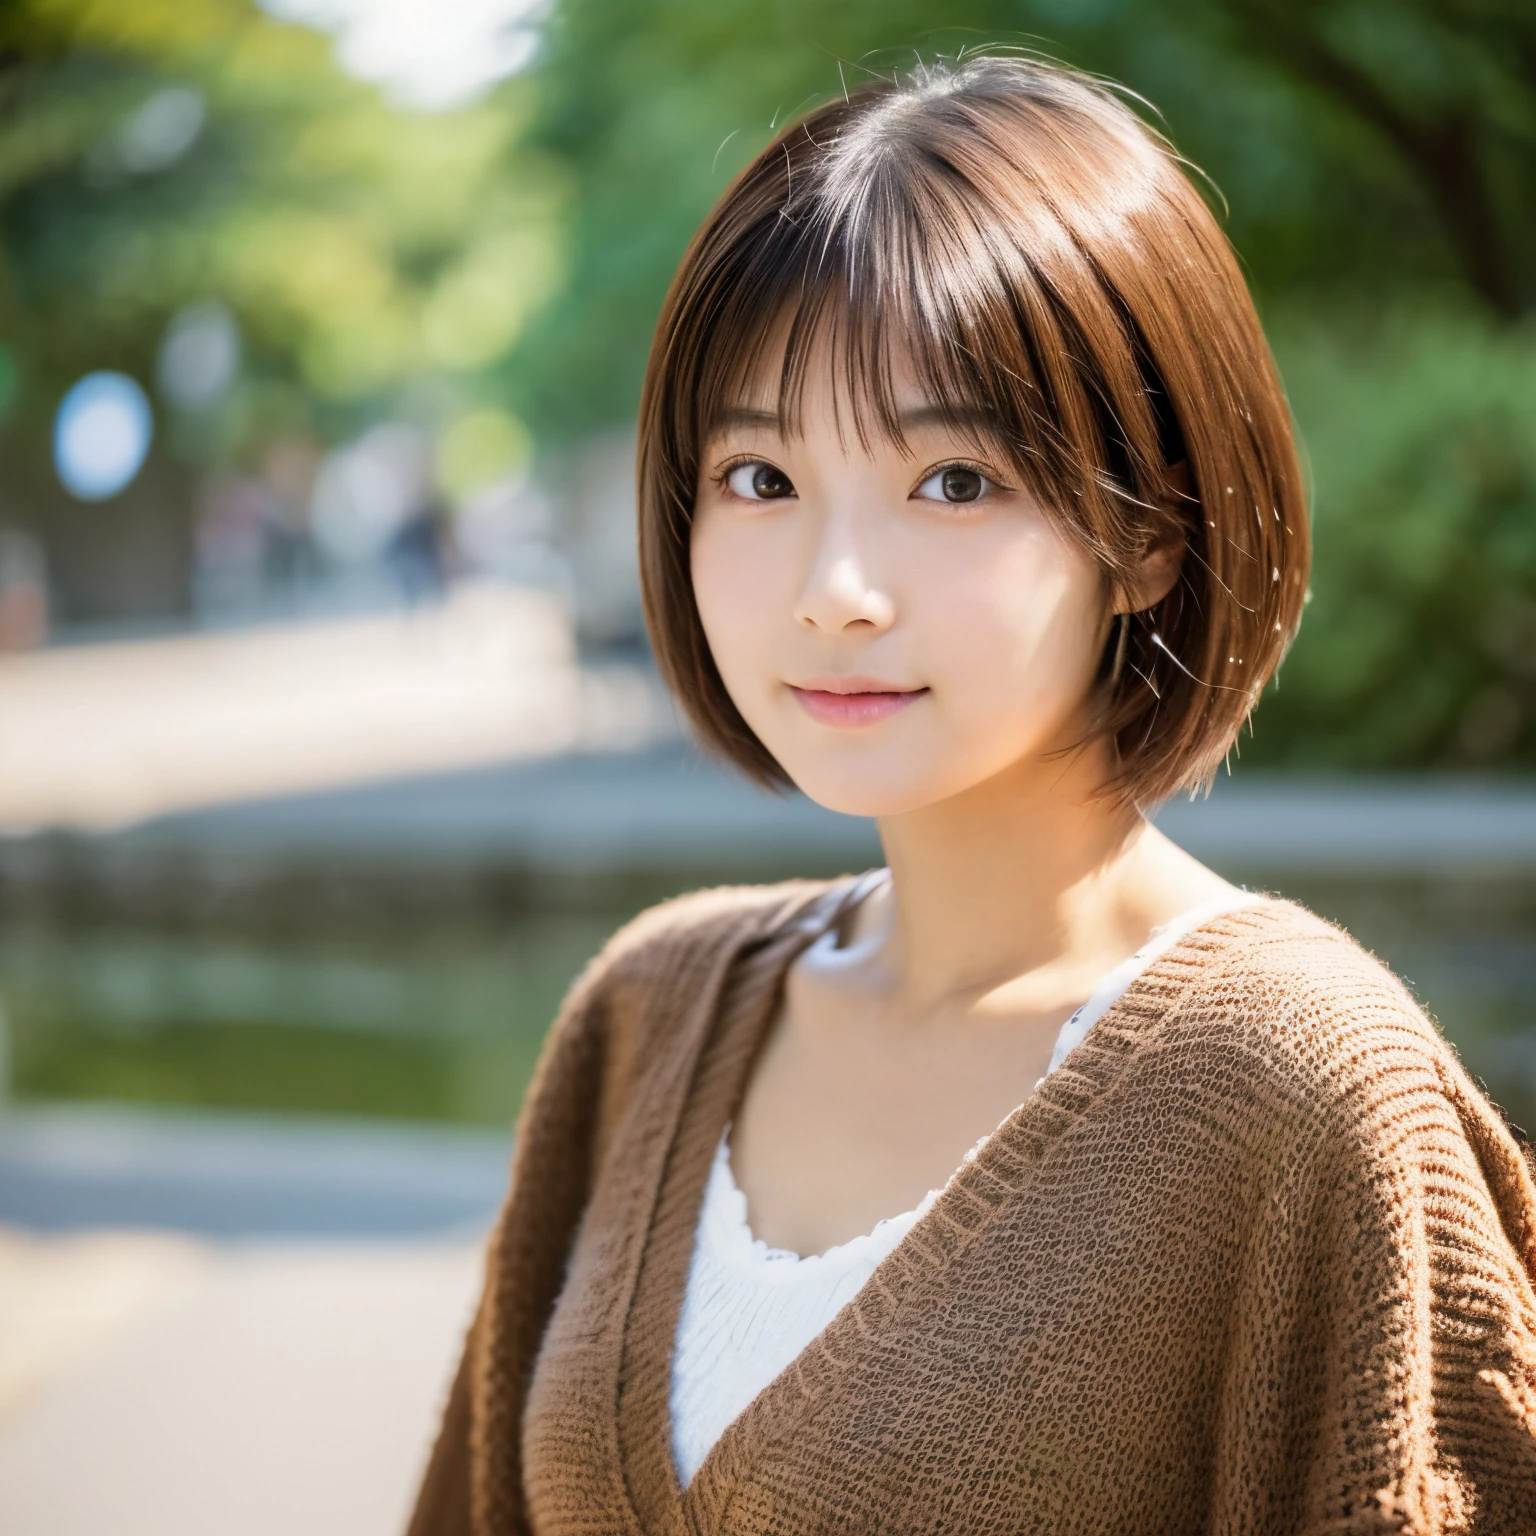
(1033, 874)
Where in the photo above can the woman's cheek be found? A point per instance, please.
(1017, 631)
(732, 570)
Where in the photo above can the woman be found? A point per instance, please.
(1042, 1181)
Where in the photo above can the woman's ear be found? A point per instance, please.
(1159, 567)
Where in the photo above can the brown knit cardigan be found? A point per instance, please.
(1257, 1258)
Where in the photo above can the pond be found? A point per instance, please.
(440, 1017)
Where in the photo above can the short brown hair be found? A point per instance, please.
(1049, 265)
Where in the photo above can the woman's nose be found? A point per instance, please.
(839, 593)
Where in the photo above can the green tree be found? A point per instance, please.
(361, 246)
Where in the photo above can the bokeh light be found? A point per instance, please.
(199, 356)
(101, 435)
(162, 130)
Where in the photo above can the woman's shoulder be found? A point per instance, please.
(1335, 1062)
(1332, 1031)
(1275, 973)
(1274, 978)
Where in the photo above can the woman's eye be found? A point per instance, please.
(757, 481)
(954, 483)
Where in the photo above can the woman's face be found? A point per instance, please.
(897, 625)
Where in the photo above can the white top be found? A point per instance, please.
(749, 1309)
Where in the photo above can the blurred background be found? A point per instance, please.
(329, 742)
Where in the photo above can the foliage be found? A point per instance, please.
(1420, 643)
(360, 248)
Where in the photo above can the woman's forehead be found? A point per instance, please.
(912, 421)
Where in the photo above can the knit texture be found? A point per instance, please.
(1258, 1257)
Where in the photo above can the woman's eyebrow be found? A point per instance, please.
(735, 416)
(973, 417)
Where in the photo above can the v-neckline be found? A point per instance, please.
(964, 1206)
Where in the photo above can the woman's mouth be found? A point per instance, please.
(850, 702)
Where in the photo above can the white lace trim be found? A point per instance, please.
(733, 1242)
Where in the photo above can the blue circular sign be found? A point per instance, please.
(101, 435)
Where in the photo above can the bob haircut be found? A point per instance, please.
(1037, 254)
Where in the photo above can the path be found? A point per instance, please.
(227, 1364)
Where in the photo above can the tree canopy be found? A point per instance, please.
(152, 154)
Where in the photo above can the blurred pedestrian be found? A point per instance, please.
(416, 553)
(23, 591)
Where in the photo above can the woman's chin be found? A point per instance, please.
(864, 789)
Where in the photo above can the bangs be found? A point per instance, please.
(841, 308)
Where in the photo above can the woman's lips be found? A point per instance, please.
(851, 707)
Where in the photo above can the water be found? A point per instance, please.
(443, 1023)
(441, 1018)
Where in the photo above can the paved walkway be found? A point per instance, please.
(155, 1386)
(190, 1347)
(103, 735)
